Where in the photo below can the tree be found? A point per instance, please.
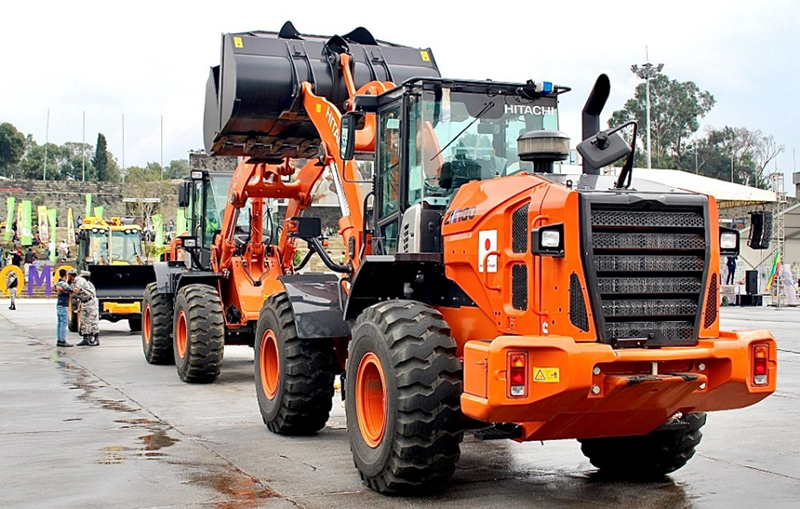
(177, 169)
(74, 168)
(12, 148)
(675, 110)
(100, 159)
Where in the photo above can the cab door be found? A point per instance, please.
(389, 190)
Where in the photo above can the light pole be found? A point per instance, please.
(646, 72)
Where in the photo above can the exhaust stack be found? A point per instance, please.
(591, 114)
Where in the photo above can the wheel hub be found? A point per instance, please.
(371, 401)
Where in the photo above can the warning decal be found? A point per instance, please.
(487, 243)
(237, 42)
(546, 375)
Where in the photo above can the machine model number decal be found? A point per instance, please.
(547, 375)
(460, 215)
(487, 243)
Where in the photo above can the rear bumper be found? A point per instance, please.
(120, 308)
(584, 390)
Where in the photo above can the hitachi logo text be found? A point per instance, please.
(521, 109)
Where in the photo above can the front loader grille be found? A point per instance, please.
(578, 315)
(648, 263)
(711, 303)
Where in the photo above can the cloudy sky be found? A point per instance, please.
(147, 60)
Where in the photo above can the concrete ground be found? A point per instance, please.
(99, 427)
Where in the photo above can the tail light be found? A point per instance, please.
(760, 364)
(517, 374)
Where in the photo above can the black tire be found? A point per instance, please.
(135, 324)
(73, 320)
(201, 358)
(302, 392)
(419, 446)
(157, 335)
(648, 457)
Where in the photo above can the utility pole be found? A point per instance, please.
(162, 147)
(83, 149)
(46, 138)
(123, 144)
(646, 72)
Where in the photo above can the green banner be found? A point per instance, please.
(158, 226)
(52, 216)
(98, 211)
(26, 236)
(70, 226)
(88, 205)
(10, 203)
(180, 224)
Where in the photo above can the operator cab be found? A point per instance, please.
(434, 136)
(205, 197)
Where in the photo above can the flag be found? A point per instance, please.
(44, 231)
(98, 211)
(180, 224)
(70, 226)
(10, 202)
(774, 272)
(88, 205)
(158, 226)
(52, 217)
(25, 236)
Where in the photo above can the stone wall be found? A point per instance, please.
(64, 194)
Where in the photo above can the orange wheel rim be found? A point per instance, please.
(180, 336)
(371, 400)
(146, 329)
(270, 367)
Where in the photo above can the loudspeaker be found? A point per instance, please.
(751, 282)
(760, 230)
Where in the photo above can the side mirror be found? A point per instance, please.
(305, 227)
(603, 148)
(184, 192)
(347, 136)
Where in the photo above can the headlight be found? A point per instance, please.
(728, 240)
(548, 240)
(197, 175)
(190, 242)
(551, 238)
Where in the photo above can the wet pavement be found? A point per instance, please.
(99, 427)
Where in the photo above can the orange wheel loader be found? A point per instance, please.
(481, 291)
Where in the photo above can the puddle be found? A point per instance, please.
(118, 405)
(243, 490)
(157, 440)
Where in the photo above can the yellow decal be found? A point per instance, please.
(547, 375)
(318, 108)
(237, 42)
(425, 56)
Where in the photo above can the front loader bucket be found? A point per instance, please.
(121, 282)
(252, 98)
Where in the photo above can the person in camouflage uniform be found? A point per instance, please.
(90, 312)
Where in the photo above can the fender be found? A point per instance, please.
(316, 305)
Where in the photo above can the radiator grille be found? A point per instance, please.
(654, 285)
(519, 229)
(648, 264)
(519, 287)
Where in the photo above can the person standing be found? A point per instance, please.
(12, 285)
(16, 257)
(90, 312)
(64, 293)
(731, 270)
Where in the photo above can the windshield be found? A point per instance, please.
(98, 246)
(215, 210)
(126, 245)
(456, 137)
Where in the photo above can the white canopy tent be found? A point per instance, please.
(727, 194)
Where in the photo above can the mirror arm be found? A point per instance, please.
(626, 174)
